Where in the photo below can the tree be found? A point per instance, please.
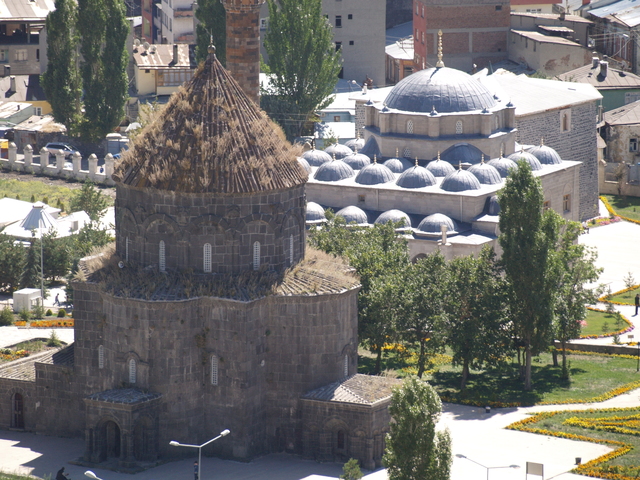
(211, 29)
(56, 256)
(415, 450)
(303, 61)
(31, 275)
(91, 200)
(12, 259)
(61, 82)
(351, 470)
(476, 323)
(528, 237)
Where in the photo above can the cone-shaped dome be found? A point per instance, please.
(211, 138)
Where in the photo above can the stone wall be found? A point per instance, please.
(8, 388)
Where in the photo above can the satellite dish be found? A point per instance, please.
(145, 45)
(121, 264)
(136, 42)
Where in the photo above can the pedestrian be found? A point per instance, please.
(57, 300)
(61, 475)
(196, 470)
(637, 302)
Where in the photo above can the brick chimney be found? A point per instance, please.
(243, 44)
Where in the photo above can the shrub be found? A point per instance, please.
(25, 315)
(38, 312)
(53, 341)
(6, 317)
(62, 313)
(49, 313)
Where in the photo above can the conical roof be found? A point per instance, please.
(211, 138)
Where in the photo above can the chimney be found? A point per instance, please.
(562, 16)
(175, 53)
(12, 79)
(243, 44)
(595, 61)
(7, 70)
(586, 2)
(604, 66)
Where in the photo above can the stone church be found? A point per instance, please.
(209, 313)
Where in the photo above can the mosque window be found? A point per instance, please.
(290, 249)
(565, 120)
(340, 443)
(126, 249)
(410, 127)
(497, 122)
(101, 356)
(214, 370)
(459, 127)
(256, 255)
(406, 153)
(162, 259)
(132, 371)
(206, 258)
(566, 202)
(346, 365)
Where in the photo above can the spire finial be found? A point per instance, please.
(334, 156)
(501, 151)
(541, 141)
(440, 63)
(482, 160)
(211, 49)
(459, 164)
(375, 158)
(438, 155)
(521, 148)
(397, 152)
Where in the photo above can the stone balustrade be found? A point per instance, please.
(61, 168)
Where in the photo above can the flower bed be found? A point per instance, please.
(628, 328)
(6, 354)
(612, 212)
(606, 298)
(46, 323)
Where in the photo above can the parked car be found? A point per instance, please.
(55, 148)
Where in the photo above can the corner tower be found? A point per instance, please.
(243, 44)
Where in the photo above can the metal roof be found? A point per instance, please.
(539, 37)
(556, 28)
(25, 10)
(628, 114)
(624, 11)
(614, 79)
(161, 57)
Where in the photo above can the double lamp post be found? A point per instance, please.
(173, 443)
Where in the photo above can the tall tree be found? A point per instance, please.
(303, 61)
(91, 200)
(61, 82)
(31, 275)
(212, 28)
(528, 237)
(12, 258)
(415, 450)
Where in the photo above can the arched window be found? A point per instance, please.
(101, 356)
(132, 371)
(126, 249)
(290, 249)
(340, 443)
(256, 255)
(162, 262)
(410, 127)
(17, 410)
(206, 258)
(346, 365)
(214, 370)
(497, 122)
(459, 127)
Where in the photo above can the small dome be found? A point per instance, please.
(503, 165)
(440, 168)
(460, 181)
(315, 158)
(394, 216)
(492, 207)
(546, 155)
(485, 173)
(462, 153)
(357, 161)
(339, 150)
(305, 164)
(533, 162)
(374, 174)
(355, 144)
(432, 224)
(334, 171)
(398, 165)
(416, 177)
(315, 213)
(353, 215)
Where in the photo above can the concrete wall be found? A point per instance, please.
(530, 22)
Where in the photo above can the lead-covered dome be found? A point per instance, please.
(432, 225)
(315, 213)
(394, 216)
(338, 150)
(462, 153)
(334, 171)
(446, 89)
(533, 162)
(503, 165)
(397, 164)
(460, 181)
(486, 174)
(355, 144)
(416, 177)
(374, 174)
(546, 155)
(305, 164)
(440, 168)
(356, 160)
(315, 158)
(353, 214)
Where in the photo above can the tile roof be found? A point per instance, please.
(127, 396)
(614, 79)
(358, 388)
(25, 368)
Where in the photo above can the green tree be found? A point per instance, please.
(12, 259)
(88, 238)
(476, 323)
(57, 256)
(61, 82)
(91, 200)
(528, 237)
(211, 29)
(303, 61)
(351, 470)
(415, 450)
(31, 274)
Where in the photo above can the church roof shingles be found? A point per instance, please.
(211, 138)
(358, 388)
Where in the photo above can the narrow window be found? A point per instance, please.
(340, 440)
(497, 122)
(256, 255)
(406, 153)
(126, 249)
(338, 21)
(566, 202)
(546, 205)
(346, 365)
(101, 356)
(214, 370)
(338, 46)
(290, 249)
(459, 127)
(162, 260)
(132, 371)
(633, 144)
(417, 9)
(410, 127)
(206, 258)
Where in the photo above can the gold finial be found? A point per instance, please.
(438, 155)
(521, 148)
(334, 156)
(211, 49)
(501, 151)
(482, 160)
(440, 63)
(541, 141)
(397, 153)
(416, 161)
(459, 164)
(375, 158)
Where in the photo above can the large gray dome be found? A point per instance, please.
(546, 155)
(353, 214)
(357, 161)
(460, 181)
(416, 177)
(432, 224)
(503, 165)
(492, 207)
(533, 162)
(315, 158)
(315, 213)
(355, 144)
(340, 151)
(463, 153)
(334, 171)
(305, 164)
(440, 168)
(374, 174)
(394, 216)
(398, 165)
(486, 174)
(446, 89)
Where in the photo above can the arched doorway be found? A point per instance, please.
(144, 443)
(17, 411)
(110, 441)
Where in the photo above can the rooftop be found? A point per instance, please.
(613, 79)
(25, 368)
(25, 11)
(358, 388)
(539, 37)
(628, 114)
(161, 57)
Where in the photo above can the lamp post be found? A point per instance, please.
(173, 443)
(484, 466)
(92, 475)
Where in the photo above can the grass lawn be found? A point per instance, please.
(597, 320)
(626, 297)
(591, 376)
(625, 206)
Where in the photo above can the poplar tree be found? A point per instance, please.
(211, 29)
(303, 61)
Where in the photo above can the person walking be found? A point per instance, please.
(57, 300)
(637, 303)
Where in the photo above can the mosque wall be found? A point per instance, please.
(26, 392)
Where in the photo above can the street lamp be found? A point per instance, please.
(92, 475)
(173, 443)
(484, 466)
